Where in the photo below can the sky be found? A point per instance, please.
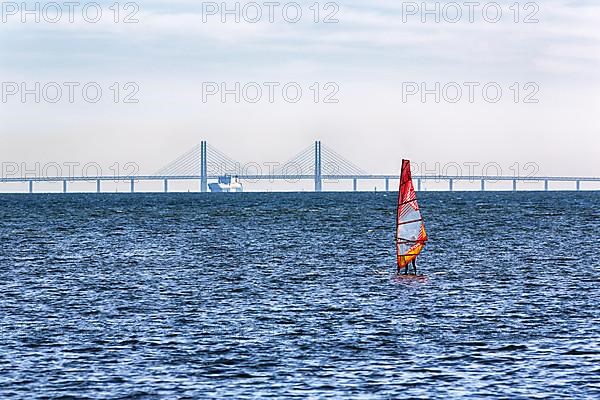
(162, 73)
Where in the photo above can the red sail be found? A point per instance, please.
(410, 229)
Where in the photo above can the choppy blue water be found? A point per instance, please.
(275, 295)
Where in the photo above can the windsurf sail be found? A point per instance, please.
(410, 229)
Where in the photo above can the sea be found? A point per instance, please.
(266, 295)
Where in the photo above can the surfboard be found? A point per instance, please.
(410, 227)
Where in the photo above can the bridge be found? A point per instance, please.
(317, 163)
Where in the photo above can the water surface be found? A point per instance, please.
(273, 295)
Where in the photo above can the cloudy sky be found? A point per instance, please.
(369, 57)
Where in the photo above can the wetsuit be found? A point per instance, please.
(406, 268)
(414, 264)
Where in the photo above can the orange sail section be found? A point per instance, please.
(410, 229)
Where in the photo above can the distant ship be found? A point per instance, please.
(227, 184)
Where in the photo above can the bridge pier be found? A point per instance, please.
(387, 184)
(578, 185)
(98, 187)
(65, 186)
(355, 184)
(203, 168)
(30, 187)
(132, 186)
(514, 185)
(546, 185)
(451, 184)
(166, 185)
(483, 185)
(418, 185)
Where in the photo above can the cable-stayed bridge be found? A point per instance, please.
(317, 163)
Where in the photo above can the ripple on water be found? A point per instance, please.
(283, 295)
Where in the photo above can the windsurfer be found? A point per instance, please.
(410, 229)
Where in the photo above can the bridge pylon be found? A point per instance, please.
(203, 168)
(318, 167)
